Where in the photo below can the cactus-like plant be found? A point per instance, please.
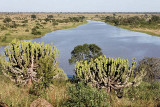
(28, 62)
(108, 73)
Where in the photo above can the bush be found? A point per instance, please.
(35, 32)
(50, 16)
(81, 95)
(152, 67)
(25, 21)
(54, 23)
(33, 16)
(7, 20)
(27, 30)
(145, 91)
(3, 28)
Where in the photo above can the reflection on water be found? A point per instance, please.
(114, 41)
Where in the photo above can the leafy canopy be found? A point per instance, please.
(85, 52)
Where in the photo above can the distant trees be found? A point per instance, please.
(50, 16)
(7, 20)
(155, 18)
(85, 52)
(139, 21)
(33, 16)
(35, 31)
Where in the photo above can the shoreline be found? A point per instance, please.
(136, 29)
(47, 30)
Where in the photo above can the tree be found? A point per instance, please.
(30, 63)
(85, 52)
(7, 20)
(108, 73)
(155, 18)
(33, 16)
(50, 16)
(152, 67)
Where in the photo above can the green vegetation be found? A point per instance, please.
(82, 95)
(7, 20)
(31, 70)
(145, 23)
(85, 52)
(108, 73)
(31, 63)
(29, 26)
(99, 82)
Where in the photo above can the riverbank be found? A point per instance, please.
(43, 31)
(29, 26)
(146, 23)
(152, 32)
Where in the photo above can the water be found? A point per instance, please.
(114, 42)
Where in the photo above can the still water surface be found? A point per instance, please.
(114, 42)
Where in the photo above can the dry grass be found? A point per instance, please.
(20, 31)
(12, 95)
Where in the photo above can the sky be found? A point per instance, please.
(79, 5)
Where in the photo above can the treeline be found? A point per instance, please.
(135, 21)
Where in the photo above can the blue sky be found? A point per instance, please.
(79, 5)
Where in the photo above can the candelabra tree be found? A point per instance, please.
(109, 73)
(28, 62)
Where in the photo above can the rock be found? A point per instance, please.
(40, 103)
(3, 104)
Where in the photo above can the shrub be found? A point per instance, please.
(145, 91)
(33, 16)
(3, 28)
(108, 73)
(152, 67)
(50, 16)
(25, 21)
(7, 20)
(35, 32)
(27, 30)
(54, 23)
(81, 95)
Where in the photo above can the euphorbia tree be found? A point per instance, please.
(29, 62)
(108, 73)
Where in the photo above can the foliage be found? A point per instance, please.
(30, 63)
(7, 20)
(155, 18)
(145, 91)
(152, 67)
(33, 16)
(108, 73)
(50, 16)
(85, 52)
(81, 95)
(54, 23)
(27, 30)
(35, 31)
(135, 21)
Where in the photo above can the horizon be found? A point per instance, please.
(79, 6)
